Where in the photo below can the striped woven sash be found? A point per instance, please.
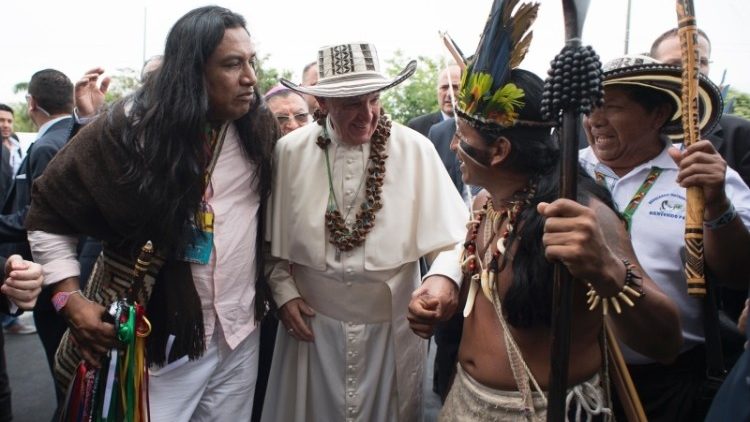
(109, 281)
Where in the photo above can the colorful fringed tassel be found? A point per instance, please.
(118, 391)
(132, 331)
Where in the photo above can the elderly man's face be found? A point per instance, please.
(230, 76)
(622, 133)
(668, 52)
(355, 118)
(449, 79)
(290, 111)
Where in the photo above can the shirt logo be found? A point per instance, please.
(668, 205)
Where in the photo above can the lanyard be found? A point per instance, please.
(639, 194)
(214, 144)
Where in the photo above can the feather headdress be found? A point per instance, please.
(485, 93)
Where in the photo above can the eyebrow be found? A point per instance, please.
(238, 56)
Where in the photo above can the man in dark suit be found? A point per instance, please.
(731, 138)
(11, 150)
(50, 104)
(441, 135)
(448, 78)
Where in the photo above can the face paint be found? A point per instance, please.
(478, 156)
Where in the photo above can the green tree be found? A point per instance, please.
(417, 95)
(21, 120)
(20, 87)
(269, 76)
(124, 81)
(741, 103)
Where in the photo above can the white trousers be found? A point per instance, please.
(217, 387)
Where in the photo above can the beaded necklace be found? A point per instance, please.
(483, 267)
(343, 237)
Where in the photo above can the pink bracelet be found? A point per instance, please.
(60, 299)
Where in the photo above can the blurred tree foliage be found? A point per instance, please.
(124, 82)
(415, 96)
(21, 120)
(269, 76)
(740, 103)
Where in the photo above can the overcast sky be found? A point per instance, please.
(75, 35)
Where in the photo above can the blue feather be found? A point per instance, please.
(482, 95)
(493, 52)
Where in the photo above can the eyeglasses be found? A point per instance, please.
(300, 118)
(28, 97)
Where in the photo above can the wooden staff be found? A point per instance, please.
(688, 32)
(574, 13)
(622, 381)
(136, 293)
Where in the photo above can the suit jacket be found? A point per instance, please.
(423, 123)
(441, 135)
(6, 171)
(4, 303)
(18, 198)
(731, 138)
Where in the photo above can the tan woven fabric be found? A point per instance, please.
(108, 282)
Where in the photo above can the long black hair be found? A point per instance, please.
(534, 151)
(164, 133)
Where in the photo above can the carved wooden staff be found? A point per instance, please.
(136, 291)
(688, 32)
(569, 91)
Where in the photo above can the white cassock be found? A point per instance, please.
(365, 363)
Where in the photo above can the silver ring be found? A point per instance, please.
(290, 331)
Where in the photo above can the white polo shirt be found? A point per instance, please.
(657, 231)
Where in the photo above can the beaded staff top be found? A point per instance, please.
(485, 94)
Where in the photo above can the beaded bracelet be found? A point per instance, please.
(630, 288)
(723, 219)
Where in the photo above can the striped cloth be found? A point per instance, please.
(109, 281)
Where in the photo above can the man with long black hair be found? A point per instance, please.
(183, 162)
(520, 230)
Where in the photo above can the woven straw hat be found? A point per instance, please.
(350, 70)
